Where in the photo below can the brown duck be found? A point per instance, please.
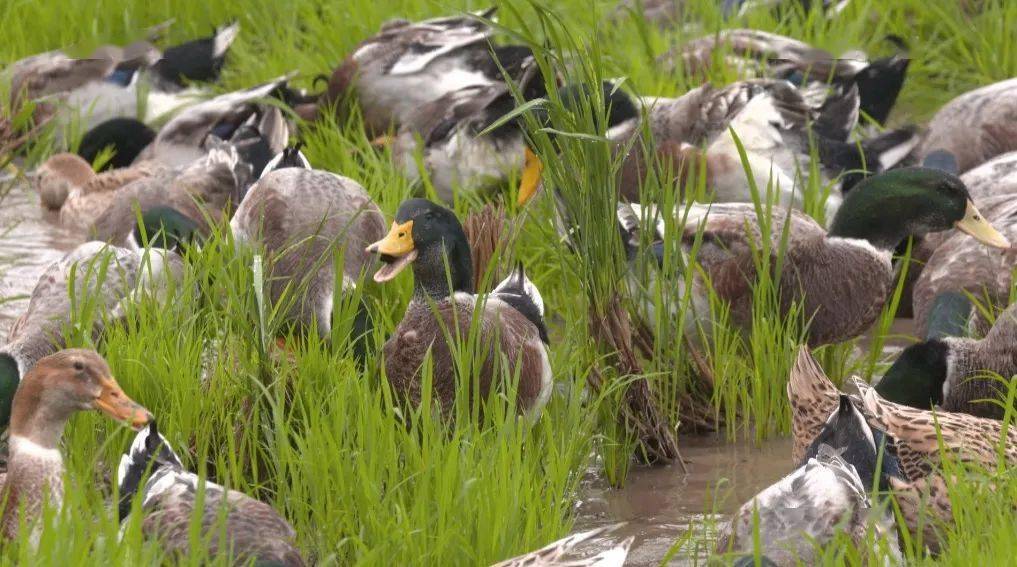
(444, 310)
(59, 386)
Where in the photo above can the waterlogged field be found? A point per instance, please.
(318, 436)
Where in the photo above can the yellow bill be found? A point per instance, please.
(980, 229)
(532, 170)
(396, 251)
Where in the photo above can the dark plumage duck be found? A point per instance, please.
(56, 388)
(126, 137)
(976, 126)
(445, 308)
(950, 371)
(199, 59)
(840, 278)
(763, 54)
(242, 528)
(407, 65)
(108, 275)
(826, 495)
(301, 218)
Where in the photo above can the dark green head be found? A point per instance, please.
(10, 377)
(887, 208)
(916, 378)
(166, 228)
(426, 235)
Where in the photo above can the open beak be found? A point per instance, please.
(975, 225)
(532, 170)
(396, 251)
(114, 402)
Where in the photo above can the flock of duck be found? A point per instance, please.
(435, 92)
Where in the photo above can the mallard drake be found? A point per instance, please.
(970, 439)
(406, 65)
(955, 266)
(776, 124)
(300, 218)
(56, 388)
(826, 495)
(976, 126)
(445, 135)
(126, 137)
(242, 528)
(444, 308)
(764, 54)
(840, 278)
(111, 276)
(562, 553)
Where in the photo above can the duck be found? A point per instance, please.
(562, 553)
(968, 438)
(764, 54)
(299, 218)
(409, 64)
(511, 318)
(197, 60)
(825, 496)
(112, 276)
(57, 387)
(451, 137)
(841, 277)
(242, 528)
(771, 119)
(125, 137)
(66, 183)
(975, 126)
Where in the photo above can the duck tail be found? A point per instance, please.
(838, 115)
(224, 37)
(149, 452)
(873, 155)
(880, 84)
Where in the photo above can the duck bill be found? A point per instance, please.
(532, 170)
(975, 225)
(113, 402)
(396, 251)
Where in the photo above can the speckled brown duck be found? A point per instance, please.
(444, 311)
(242, 528)
(59, 386)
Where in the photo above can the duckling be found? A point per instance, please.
(179, 142)
(243, 529)
(969, 438)
(764, 54)
(559, 553)
(842, 277)
(300, 217)
(56, 388)
(107, 275)
(446, 133)
(431, 239)
(976, 126)
(824, 496)
(407, 65)
(205, 191)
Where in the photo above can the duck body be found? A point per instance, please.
(60, 385)
(243, 528)
(301, 218)
(976, 126)
(407, 65)
(508, 322)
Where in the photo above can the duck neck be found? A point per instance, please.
(440, 271)
(35, 420)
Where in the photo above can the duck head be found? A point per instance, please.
(62, 384)
(431, 238)
(58, 176)
(167, 228)
(887, 208)
(917, 377)
(618, 109)
(127, 137)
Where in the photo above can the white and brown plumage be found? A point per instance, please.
(562, 553)
(763, 54)
(107, 275)
(301, 218)
(241, 528)
(445, 311)
(409, 64)
(976, 126)
(59, 386)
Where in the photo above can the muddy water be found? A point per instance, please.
(30, 239)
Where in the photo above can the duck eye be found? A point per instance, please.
(78, 365)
